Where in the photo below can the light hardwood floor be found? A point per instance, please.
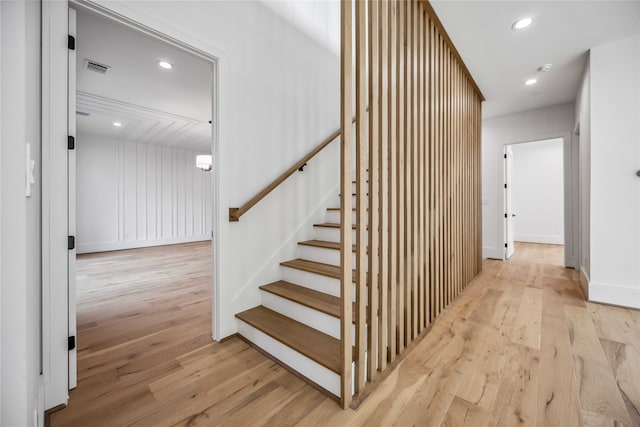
(518, 347)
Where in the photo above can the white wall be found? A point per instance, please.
(615, 159)
(537, 192)
(278, 91)
(546, 123)
(135, 195)
(20, 216)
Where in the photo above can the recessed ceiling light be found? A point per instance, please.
(165, 64)
(530, 82)
(117, 124)
(546, 67)
(521, 24)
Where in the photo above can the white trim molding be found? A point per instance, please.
(86, 248)
(493, 253)
(622, 295)
(548, 239)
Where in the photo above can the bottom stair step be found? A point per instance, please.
(319, 347)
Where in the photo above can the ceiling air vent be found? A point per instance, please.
(96, 66)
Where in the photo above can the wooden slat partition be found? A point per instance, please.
(417, 173)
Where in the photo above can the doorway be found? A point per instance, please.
(141, 120)
(119, 168)
(534, 193)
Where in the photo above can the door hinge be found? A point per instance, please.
(71, 142)
(505, 156)
(506, 216)
(71, 343)
(71, 242)
(505, 245)
(505, 186)
(71, 42)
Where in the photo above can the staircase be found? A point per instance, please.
(298, 323)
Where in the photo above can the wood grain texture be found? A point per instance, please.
(317, 346)
(146, 357)
(361, 266)
(320, 301)
(317, 268)
(346, 170)
(383, 155)
(373, 241)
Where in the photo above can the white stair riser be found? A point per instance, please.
(317, 373)
(326, 256)
(317, 282)
(313, 318)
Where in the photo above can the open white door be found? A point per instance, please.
(71, 165)
(508, 215)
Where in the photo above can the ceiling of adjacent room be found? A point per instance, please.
(501, 59)
(153, 105)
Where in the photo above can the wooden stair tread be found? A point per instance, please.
(331, 225)
(320, 301)
(324, 244)
(315, 267)
(310, 342)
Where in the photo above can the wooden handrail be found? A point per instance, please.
(236, 213)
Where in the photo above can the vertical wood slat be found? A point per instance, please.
(384, 185)
(400, 176)
(346, 148)
(408, 129)
(421, 171)
(418, 203)
(432, 170)
(374, 173)
(361, 191)
(393, 181)
(414, 172)
(447, 179)
(426, 78)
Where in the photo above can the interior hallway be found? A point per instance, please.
(518, 347)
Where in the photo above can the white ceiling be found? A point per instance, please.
(501, 59)
(155, 106)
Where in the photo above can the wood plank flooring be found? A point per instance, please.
(518, 347)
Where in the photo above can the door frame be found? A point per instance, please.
(55, 209)
(508, 197)
(571, 192)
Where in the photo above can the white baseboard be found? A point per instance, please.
(622, 295)
(493, 253)
(86, 248)
(549, 239)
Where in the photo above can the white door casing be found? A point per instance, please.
(55, 203)
(71, 174)
(508, 215)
